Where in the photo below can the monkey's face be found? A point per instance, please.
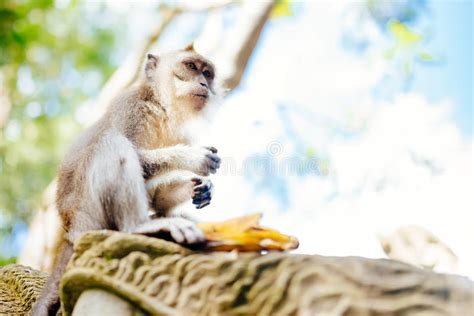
(193, 78)
(184, 79)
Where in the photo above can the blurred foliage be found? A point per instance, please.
(4, 262)
(408, 46)
(404, 36)
(405, 11)
(282, 8)
(397, 19)
(53, 57)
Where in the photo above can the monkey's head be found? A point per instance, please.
(183, 80)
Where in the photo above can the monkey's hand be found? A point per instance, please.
(181, 230)
(207, 161)
(202, 192)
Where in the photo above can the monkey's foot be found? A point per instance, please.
(202, 192)
(181, 230)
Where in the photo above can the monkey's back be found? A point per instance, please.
(72, 174)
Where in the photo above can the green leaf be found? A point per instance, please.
(311, 152)
(390, 53)
(7, 261)
(425, 56)
(403, 34)
(407, 69)
(282, 8)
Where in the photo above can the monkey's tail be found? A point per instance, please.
(48, 302)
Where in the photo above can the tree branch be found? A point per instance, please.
(235, 54)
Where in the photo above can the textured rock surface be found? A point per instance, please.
(151, 276)
(164, 278)
(96, 302)
(19, 288)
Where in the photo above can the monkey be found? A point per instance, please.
(139, 160)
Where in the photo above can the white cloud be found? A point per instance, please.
(405, 162)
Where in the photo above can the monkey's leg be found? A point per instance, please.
(113, 196)
(117, 186)
(169, 190)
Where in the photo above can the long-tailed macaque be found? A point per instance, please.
(138, 159)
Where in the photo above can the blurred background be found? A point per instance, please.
(348, 123)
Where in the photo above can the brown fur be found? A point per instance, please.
(101, 181)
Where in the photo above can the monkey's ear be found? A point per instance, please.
(189, 47)
(151, 63)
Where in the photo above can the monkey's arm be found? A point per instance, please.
(200, 160)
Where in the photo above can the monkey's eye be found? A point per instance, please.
(207, 74)
(191, 66)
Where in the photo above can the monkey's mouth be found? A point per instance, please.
(201, 95)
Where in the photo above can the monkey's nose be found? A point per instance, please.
(204, 85)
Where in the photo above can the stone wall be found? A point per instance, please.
(152, 276)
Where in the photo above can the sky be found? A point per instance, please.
(388, 155)
(452, 38)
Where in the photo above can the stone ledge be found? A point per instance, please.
(161, 277)
(153, 276)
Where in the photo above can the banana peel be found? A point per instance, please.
(245, 234)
